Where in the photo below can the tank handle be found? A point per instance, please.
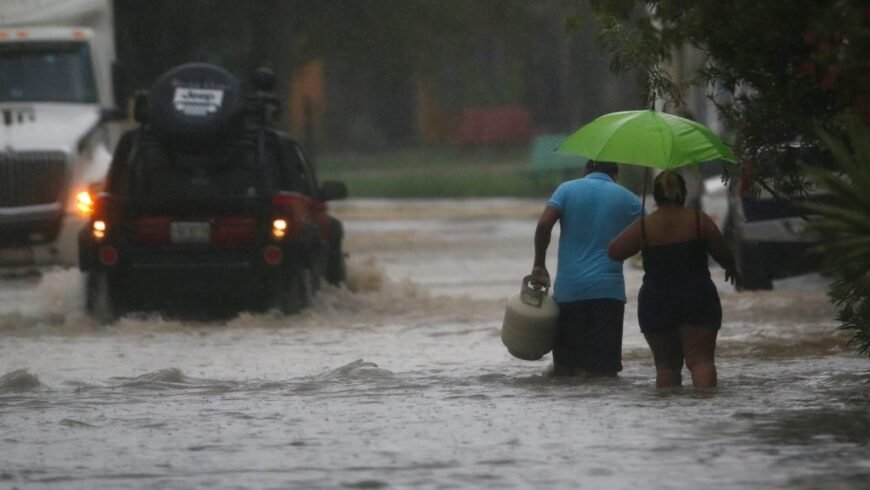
(533, 295)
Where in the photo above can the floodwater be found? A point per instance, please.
(401, 381)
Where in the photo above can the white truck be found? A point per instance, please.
(58, 124)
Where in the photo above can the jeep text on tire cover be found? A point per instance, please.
(195, 102)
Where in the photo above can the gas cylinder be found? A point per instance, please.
(530, 320)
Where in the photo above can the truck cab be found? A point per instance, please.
(58, 124)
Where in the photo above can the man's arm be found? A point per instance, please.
(543, 232)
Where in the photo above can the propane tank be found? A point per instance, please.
(530, 321)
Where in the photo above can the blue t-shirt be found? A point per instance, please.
(594, 210)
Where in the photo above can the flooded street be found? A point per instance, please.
(401, 381)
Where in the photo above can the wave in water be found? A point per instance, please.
(174, 379)
(19, 381)
(358, 370)
(54, 306)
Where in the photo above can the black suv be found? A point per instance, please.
(205, 199)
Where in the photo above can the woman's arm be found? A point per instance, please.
(627, 243)
(718, 248)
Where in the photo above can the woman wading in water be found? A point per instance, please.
(678, 305)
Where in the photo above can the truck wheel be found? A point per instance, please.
(292, 291)
(100, 300)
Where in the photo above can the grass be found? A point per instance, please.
(449, 171)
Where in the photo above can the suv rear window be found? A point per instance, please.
(226, 172)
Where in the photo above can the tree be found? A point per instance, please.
(792, 69)
(845, 226)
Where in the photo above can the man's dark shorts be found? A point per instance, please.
(590, 335)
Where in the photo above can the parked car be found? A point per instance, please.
(205, 198)
(768, 235)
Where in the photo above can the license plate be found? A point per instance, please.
(190, 232)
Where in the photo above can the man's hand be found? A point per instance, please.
(540, 277)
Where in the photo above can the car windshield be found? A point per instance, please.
(228, 171)
(47, 72)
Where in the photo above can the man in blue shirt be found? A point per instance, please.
(589, 288)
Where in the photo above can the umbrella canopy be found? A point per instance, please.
(647, 138)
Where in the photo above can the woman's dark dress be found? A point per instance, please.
(677, 289)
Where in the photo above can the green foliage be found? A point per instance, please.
(637, 51)
(780, 73)
(391, 40)
(776, 69)
(444, 172)
(845, 225)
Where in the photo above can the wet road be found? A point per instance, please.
(401, 381)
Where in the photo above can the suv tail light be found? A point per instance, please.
(152, 230)
(97, 209)
(233, 231)
(98, 229)
(291, 213)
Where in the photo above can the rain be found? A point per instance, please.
(403, 153)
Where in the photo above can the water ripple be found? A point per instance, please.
(19, 381)
(173, 378)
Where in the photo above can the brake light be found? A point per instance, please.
(279, 228)
(233, 231)
(22, 34)
(99, 229)
(291, 214)
(97, 209)
(152, 230)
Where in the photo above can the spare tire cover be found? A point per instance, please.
(195, 100)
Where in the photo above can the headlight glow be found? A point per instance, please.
(84, 204)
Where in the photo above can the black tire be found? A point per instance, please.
(336, 266)
(292, 292)
(101, 300)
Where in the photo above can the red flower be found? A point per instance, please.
(808, 68)
(830, 78)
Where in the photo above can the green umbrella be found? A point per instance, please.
(647, 138)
